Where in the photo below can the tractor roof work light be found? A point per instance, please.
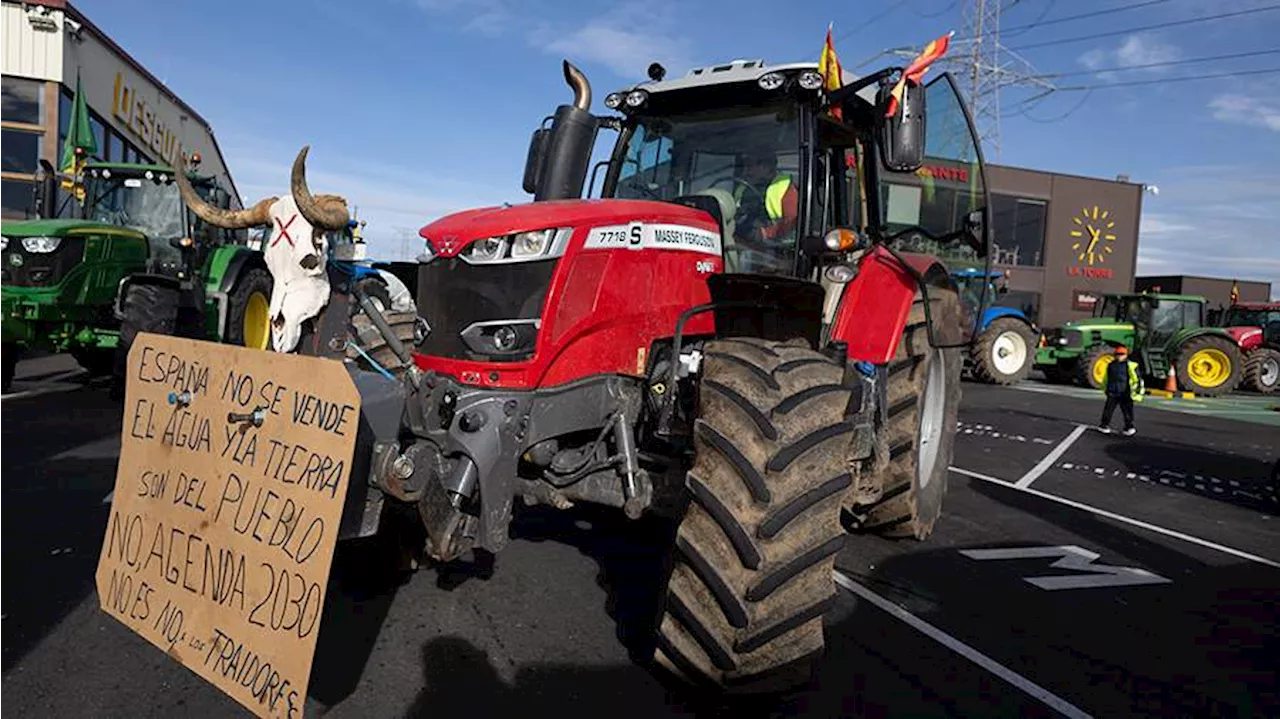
(636, 98)
(771, 81)
(613, 101)
(810, 80)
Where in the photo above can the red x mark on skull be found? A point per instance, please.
(284, 231)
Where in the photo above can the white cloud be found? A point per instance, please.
(1136, 52)
(1246, 110)
(626, 40)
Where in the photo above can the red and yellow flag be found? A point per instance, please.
(832, 75)
(1235, 292)
(916, 70)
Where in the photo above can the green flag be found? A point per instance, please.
(79, 136)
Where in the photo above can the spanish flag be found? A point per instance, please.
(1235, 292)
(829, 67)
(916, 70)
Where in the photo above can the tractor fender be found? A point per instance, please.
(874, 306)
(141, 278)
(991, 314)
(226, 266)
(1247, 338)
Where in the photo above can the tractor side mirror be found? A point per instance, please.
(902, 135)
(537, 155)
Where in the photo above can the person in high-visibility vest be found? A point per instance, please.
(768, 199)
(1123, 387)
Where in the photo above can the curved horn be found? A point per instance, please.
(325, 215)
(581, 88)
(259, 214)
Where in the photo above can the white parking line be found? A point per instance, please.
(1050, 458)
(1048, 698)
(1121, 518)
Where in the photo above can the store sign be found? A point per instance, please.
(142, 120)
(1093, 232)
(1093, 273)
(938, 172)
(1083, 300)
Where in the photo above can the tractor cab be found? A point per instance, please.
(145, 198)
(784, 167)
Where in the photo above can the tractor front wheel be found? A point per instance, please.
(249, 310)
(1209, 365)
(917, 442)
(1003, 353)
(146, 308)
(1262, 370)
(754, 551)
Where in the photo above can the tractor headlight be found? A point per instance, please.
(810, 80)
(4, 243)
(41, 245)
(519, 247)
(771, 81)
(502, 338)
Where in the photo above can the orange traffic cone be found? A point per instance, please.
(1171, 381)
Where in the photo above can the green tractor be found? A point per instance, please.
(1161, 330)
(133, 259)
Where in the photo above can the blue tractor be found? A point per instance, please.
(1004, 348)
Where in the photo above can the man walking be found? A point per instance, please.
(1124, 387)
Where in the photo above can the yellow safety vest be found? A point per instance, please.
(773, 195)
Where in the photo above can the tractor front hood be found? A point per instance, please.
(1097, 323)
(1246, 337)
(449, 235)
(62, 228)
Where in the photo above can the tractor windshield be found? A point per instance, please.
(747, 158)
(149, 206)
(1250, 317)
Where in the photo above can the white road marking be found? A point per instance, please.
(1121, 518)
(1048, 698)
(1050, 458)
(1075, 558)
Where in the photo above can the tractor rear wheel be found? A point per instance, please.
(1003, 353)
(249, 310)
(1209, 365)
(918, 440)
(754, 551)
(1262, 370)
(146, 308)
(1092, 370)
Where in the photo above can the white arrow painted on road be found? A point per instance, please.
(1076, 558)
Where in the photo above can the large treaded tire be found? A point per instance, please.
(1262, 370)
(911, 502)
(755, 550)
(146, 308)
(365, 334)
(1227, 347)
(1084, 369)
(255, 280)
(982, 354)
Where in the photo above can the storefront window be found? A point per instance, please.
(1019, 231)
(22, 100)
(99, 135)
(16, 196)
(21, 150)
(115, 151)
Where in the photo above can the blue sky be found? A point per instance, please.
(415, 108)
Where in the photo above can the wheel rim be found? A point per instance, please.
(1209, 367)
(257, 324)
(1009, 353)
(1100, 368)
(932, 410)
(1270, 372)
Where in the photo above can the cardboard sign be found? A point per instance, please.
(233, 469)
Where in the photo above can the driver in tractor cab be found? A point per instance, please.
(767, 200)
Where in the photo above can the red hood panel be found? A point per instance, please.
(1246, 337)
(449, 234)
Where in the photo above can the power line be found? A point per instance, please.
(1172, 23)
(1083, 16)
(1016, 30)
(1168, 63)
(1165, 80)
(868, 23)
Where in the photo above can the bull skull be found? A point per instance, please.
(326, 212)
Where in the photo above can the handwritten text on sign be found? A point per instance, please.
(233, 469)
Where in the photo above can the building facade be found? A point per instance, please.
(46, 46)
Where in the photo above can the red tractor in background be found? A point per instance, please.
(1256, 329)
(762, 360)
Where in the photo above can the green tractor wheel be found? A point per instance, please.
(1209, 365)
(1092, 370)
(249, 311)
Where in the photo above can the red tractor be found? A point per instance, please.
(743, 332)
(1256, 329)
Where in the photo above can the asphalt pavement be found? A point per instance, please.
(1073, 573)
